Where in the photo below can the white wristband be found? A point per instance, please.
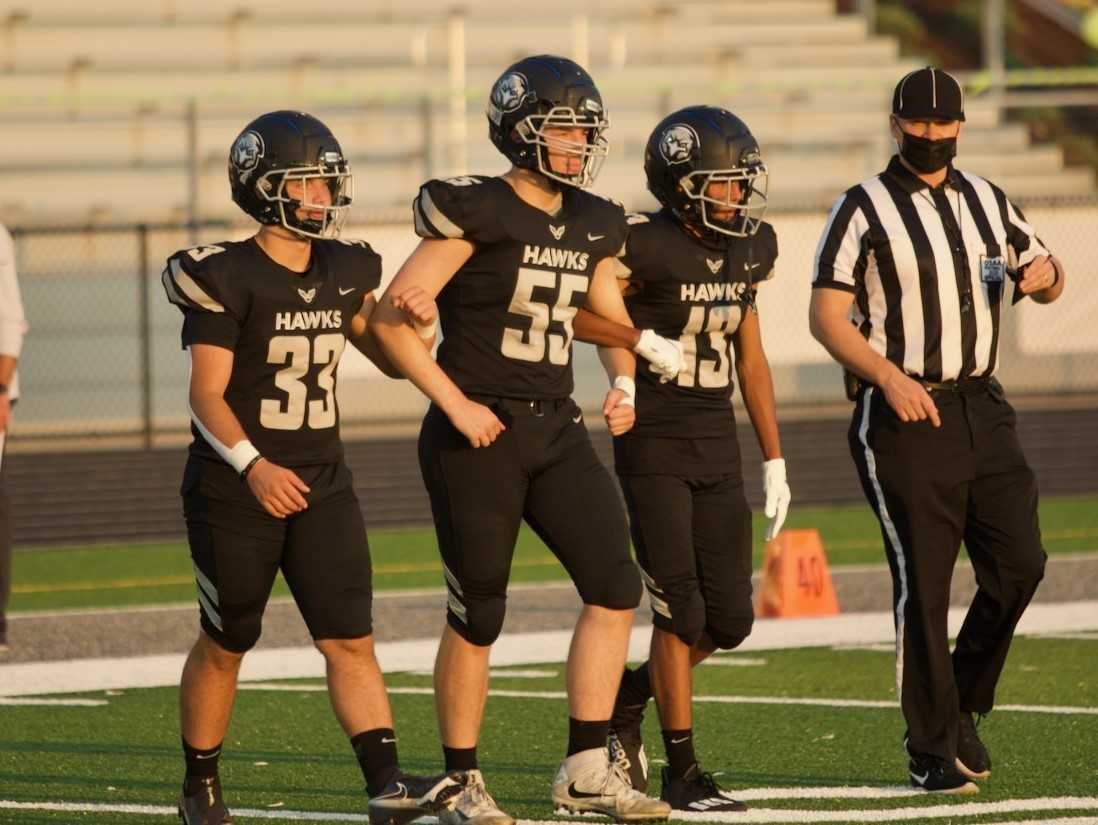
(241, 455)
(628, 386)
(425, 331)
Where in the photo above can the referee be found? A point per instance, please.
(909, 292)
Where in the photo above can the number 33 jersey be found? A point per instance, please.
(698, 295)
(507, 313)
(287, 331)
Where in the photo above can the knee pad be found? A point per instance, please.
(482, 620)
(730, 633)
(239, 636)
(687, 620)
(620, 590)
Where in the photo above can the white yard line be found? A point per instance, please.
(733, 661)
(82, 675)
(64, 703)
(755, 815)
(806, 701)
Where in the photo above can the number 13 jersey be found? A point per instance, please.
(287, 331)
(690, 292)
(507, 313)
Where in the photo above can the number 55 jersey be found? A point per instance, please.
(287, 331)
(507, 313)
(691, 292)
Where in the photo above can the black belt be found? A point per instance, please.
(523, 406)
(964, 386)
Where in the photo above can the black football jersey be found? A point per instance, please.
(686, 290)
(287, 331)
(506, 315)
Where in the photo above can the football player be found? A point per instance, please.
(690, 271)
(265, 487)
(511, 259)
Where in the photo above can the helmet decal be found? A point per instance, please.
(678, 142)
(508, 94)
(246, 154)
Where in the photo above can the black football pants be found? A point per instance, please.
(931, 488)
(541, 469)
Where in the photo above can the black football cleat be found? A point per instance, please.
(205, 806)
(973, 760)
(698, 792)
(410, 797)
(625, 742)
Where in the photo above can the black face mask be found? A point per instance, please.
(926, 155)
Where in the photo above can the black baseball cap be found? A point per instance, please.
(928, 93)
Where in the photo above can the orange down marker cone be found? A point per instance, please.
(795, 580)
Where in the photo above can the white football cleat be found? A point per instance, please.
(589, 782)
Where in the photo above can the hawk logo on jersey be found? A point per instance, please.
(507, 95)
(678, 143)
(307, 295)
(246, 153)
(557, 231)
(714, 265)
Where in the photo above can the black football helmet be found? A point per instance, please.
(280, 147)
(544, 92)
(695, 147)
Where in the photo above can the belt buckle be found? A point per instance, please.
(536, 409)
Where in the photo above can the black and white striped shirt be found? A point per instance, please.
(913, 257)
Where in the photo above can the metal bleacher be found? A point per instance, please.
(94, 120)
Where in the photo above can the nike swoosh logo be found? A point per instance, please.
(347, 291)
(591, 237)
(578, 419)
(389, 741)
(753, 266)
(575, 793)
(920, 779)
(401, 792)
(679, 741)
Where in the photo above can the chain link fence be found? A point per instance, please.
(103, 355)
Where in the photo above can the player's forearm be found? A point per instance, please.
(617, 362)
(407, 353)
(367, 344)
(757, 389)
(217, 422)
(594, 329)
(7, 369)
(847, 346)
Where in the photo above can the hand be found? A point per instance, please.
(420, 307)
(5, 412)
(778, 496)
(278, 489)
(620, 411)
(477, 423)
(909, 399)
(663, 354)
(1040, 274)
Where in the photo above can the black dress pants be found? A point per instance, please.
(931, 488)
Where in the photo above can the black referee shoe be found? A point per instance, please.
(937, 775)
(698, 792)
(973, 760)
(205, 806)
(409, 797)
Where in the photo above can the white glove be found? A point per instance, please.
(777, 494)
(664, 356)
